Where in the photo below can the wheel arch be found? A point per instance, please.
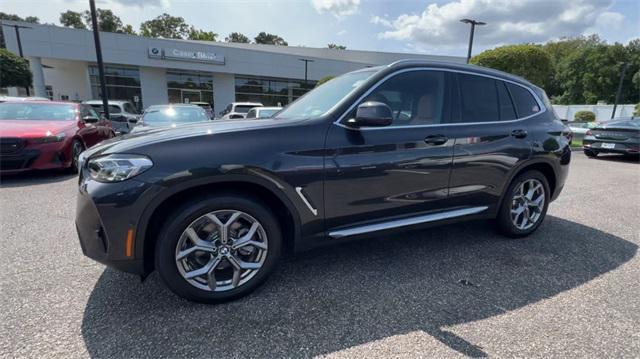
(152, 218)
(541, 165)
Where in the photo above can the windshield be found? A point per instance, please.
(169, 115)
(323, 98)
(243, 109)
(37, 111)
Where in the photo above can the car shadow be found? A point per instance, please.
(618, 158)
(335, 298)
(31, 178)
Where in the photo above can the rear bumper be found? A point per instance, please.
(600, 146)
(107, 216)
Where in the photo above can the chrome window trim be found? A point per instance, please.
(398, 223)
(338, 122)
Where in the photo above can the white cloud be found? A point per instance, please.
(140, 3)
(508, 21)
(338, 8)
(342, 32)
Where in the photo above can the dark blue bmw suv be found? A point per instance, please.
(213, 206)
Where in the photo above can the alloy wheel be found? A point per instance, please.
(527, 204)
(221, 250)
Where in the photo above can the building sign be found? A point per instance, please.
(185, 55)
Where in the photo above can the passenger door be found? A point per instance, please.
(491, 139)
(377, 173)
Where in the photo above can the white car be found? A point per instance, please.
(123, 114)
(238, 110)
(262, 112)
(579, 129)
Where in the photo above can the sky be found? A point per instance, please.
(378, 25)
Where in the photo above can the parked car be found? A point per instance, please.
(17, 99)
(123, 114)
(621, 135)
(47, 134)
(579, 129)
(167, 116)
(212, 207)
(262, 112)
(238, 110)
(206, 107)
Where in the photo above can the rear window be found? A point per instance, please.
(526, 104)
(243, 109)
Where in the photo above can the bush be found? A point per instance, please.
(636, 110)
(529, 61)
(14, 70)
(584, 116)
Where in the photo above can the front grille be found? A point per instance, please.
(9, 146)
(24, 160)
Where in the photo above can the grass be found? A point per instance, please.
(576, 143)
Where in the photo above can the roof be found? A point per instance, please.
(99, 102)
(173, 105)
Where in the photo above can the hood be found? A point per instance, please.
(33, 128)
(131, 142)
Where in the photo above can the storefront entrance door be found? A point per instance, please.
(189, 96)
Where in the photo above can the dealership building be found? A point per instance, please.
(150, 71)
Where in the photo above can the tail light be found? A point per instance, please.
(589, 133)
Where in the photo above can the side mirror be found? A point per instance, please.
(90, 119)
(372, 114)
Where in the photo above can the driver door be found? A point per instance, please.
(378, 173)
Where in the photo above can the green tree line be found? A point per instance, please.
(579, 70)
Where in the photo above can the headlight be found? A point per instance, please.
(118, 167)
(49, 137)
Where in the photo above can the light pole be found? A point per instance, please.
(96, 40)
(17, 29)
(473, 27)
(615, 104)
(306, 62)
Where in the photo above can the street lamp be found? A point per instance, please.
(306, 62)
(17, 29)
(96, 40)
(615, 104)
(473, 27)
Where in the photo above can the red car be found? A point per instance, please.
(38, 135)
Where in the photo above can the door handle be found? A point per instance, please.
(519, 133)
(436, 140)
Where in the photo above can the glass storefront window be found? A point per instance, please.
(189, 87)
(270, 91)
(123, 83)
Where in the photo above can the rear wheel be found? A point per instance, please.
(590, 153)
(524, 205)
(218, 248)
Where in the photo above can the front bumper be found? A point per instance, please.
(37, 157)
(107, 217)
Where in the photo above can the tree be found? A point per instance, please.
(107, 20)
(237, 37)
(323, 80)
(15, 70)
(636, 109)
(584, 116)
(128, 29)
(167, 26)
(270, 39)
(196, 34)
(529, 61)
(336, 47)
(72, 19)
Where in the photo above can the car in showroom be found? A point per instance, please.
(213, 207)
(170, 116)
(262, 112)
(123, 114)
(39, 135)
(621, 135)
(237, 110)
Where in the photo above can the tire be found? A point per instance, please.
(76, 150)
(512, 199)
(590, 153)
(174, 239)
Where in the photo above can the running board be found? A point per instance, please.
(397, 223)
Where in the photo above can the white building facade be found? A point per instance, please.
(151, 71)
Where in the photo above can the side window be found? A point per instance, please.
(251, 114)
(129, 108)
(91, 112)
(525, 104)
(415, 97)
(84, 111)
(507, 112)
(479, 102)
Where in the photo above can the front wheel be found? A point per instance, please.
(218, 248)
(76, 150)
(524, 205)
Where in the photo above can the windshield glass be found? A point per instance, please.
(168, 115)
(37, 111)
(243, 109)
(321, 99)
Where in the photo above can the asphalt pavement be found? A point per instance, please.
(570, 290)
